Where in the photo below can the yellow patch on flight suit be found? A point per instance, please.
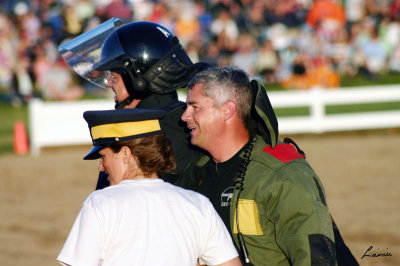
(249, 222)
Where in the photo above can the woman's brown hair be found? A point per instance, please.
(154, 153)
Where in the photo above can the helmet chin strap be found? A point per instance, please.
(124, 103)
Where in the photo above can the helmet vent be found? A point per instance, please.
(127, 63)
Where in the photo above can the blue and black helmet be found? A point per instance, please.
(149, 58)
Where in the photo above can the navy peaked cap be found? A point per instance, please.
(110, 126)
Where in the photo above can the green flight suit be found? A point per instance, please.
(283, 215)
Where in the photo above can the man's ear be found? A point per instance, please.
(229, 109)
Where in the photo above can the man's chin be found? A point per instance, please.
(196, 142)
(192, 140)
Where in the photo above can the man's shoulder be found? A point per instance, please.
(286, 162)
(275, 157)
(284, 152)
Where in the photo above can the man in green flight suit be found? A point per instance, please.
(264, 189)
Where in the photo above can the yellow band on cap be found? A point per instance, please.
(125, 129)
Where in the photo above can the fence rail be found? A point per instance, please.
(61, 123)
(318, 99)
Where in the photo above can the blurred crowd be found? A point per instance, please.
(298, 44)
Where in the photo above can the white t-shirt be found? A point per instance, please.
(147, 222)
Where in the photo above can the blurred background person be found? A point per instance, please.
(58, 83)
(119, 8)
(300, 78)
(226, 30)
(267, 62)
(245, 56)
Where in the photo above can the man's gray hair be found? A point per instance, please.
(224, 84)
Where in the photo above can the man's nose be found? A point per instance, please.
(185, 115)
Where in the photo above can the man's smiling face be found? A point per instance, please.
(203, 118)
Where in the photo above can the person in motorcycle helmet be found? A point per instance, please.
(149, 59)
(146, 65)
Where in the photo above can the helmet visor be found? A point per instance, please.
(84, 51)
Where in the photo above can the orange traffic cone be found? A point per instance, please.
(21, 142)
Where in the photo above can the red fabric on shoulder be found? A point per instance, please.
(284, 152)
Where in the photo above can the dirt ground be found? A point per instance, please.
(40, 197)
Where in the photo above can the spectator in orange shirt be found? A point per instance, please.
(300, 79)
(323, 11)
(323, 75)
(187, 26)
(308, 73)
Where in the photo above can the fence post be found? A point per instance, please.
(34, 124)
(317, 109)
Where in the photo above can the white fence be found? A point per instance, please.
(61, 123)
(317, 99)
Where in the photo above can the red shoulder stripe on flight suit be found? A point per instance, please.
(284, 152)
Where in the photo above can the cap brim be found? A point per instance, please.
(93, 154)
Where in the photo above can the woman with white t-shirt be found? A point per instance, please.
(140, 219)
